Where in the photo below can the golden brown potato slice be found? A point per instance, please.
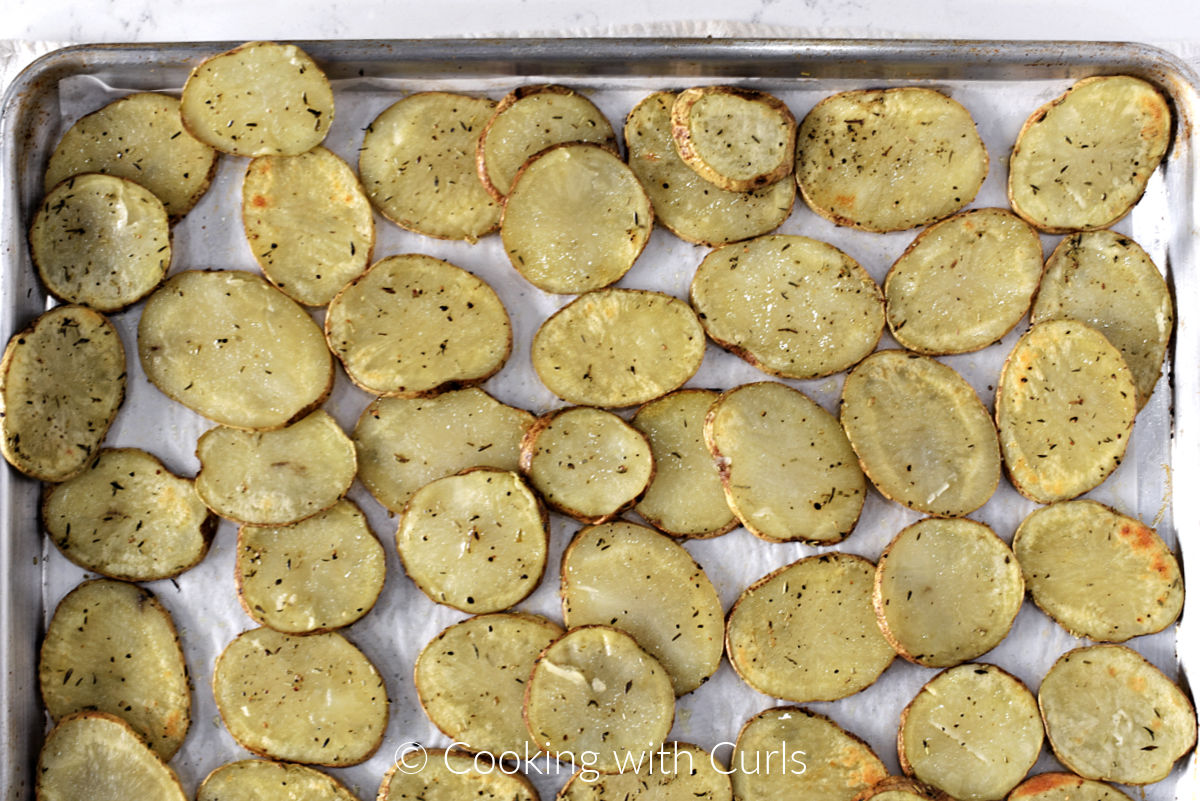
(94, 756)
(685, 773)
(807, 632)
(902, 788)
(1082, 160)
(62, 380)
(1064, 787)
(737, 139)
(438, 775)
(112, 647)
(789, 305)
(256, 779)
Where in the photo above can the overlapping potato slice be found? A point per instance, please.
(789, 305)
(807, 632)
(1083, 160)
(901, 788)
(1064, 787)
(94, 756)
(255, 779)
(735, 138)
(686, 773)
(112, 647)
(438, 775)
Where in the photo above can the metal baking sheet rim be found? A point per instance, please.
(20, 574)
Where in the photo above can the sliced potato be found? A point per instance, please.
(1113, 716)
(403, 443)
(789, 305)
(963, 283)
(450, 776)
(1098, 573)
(308, 222)
(112, 647)
(413, 325)
(1065, 407)
(94, 756)
(62, 380)
(618, 347)
(686, 773)
(259, 99)
(128, 517)
(1064, 787)
(576, 219)
(272, 478)
(921, 433)
(314, 699)
(417, 163)
(973, 731)
(946, 591)
(807, 632)
(901, 788)
(476, 541)
(686, 204)
(140, 137)
(235, 349)
(788, 470)
(587, 463)
(471, 680)
(1107, 281)
(256, 779)
(734, 138)
(102, 241)
(322, 573)
(595, 696)
(1083, 160)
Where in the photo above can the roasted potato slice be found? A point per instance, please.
(438, 775)
(888, 160)
(94, 756)
(1107, 281)
(1082, 161)
(256, 779)
(476, 541)
(946, 591)
(235, 349)
(101, 241)
(921, 433)
(128, 517)
(417, 163)
(308, 222)
(788, 470)
(807, 632)
(901, 788)
(314, 699)
(322, 573)
(1065, 407)
(576, 219)
(62, 380)
(791, 306)
(735, 138)
(690, 773)
(259, 99)
(963, 283)
(112, 647)
(1113, 716)
(1064, 787)
(618, 347)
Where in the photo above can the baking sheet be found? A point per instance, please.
(203, 600)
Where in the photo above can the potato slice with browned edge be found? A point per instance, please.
(62, 380)
(902, 788)
(1113, 716)
(112, 647)
(973, 731)
(963, 283)
(807, 632)
(439, 775)
(735, 138)
(946, 591)
(308, 222)
(259, 99)
(686, 204)
(618, 347)
(94, 756)
(235, 349)
(314, 699)
(1065, 406)
(322, 573)
(255, 779)
(1106, 280)
(404, 443)
(1098, 573)
(791, 306)
(684, 772)
(272, 478)
(597, 699)
(1064, 787)
(1082, 161)
(471, 680)
(921, 433)
(476, 541)
(101, 241)
(417, 163)
(128, 517)
(788, 470)
(576, 219)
